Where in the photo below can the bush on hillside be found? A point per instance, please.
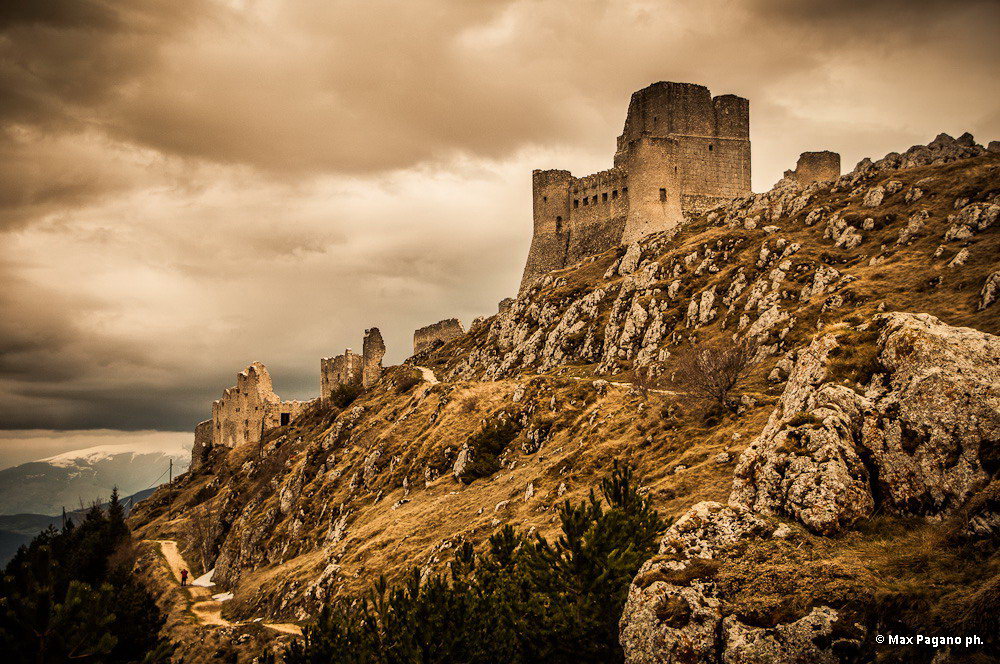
(524, 600)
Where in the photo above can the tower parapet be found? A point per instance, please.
(681, 150)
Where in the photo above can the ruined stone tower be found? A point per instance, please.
(681, 150)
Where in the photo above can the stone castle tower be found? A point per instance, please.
(682, 150)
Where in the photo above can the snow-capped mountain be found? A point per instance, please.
(64, 480)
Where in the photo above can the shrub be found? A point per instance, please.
(488, 444)
(408, 381)
(713, 372)
(525, 600)
(345, 394)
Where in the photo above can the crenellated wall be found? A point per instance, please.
(681, 150)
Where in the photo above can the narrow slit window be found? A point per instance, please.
(614, 193)
(604, 197)
(663, 194)
(558, 224)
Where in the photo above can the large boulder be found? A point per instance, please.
(673, 616)
(920, 438)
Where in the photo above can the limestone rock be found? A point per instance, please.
(990, 291)
(799, 641)
(924, 430)
(933, 431)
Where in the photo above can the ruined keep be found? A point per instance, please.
(815, 167)
(432, 336)
(681, 150)
(249, 408)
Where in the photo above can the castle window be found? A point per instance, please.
(545, 199)
(624, 191)
(709, 147)
(558, 224)
(285, 418)
(614, 193)
(595, 199)
(585, 200)
(576, 202)
(604, 197)
(663, 194)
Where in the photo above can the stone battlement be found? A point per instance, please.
(680, 148)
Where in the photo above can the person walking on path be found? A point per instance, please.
(184, 577)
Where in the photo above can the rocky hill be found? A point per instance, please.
(851, 492)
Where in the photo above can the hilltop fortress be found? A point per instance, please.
(682, 150)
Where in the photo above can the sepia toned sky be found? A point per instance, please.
(187, 186)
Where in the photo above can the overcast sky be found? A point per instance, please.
(187, 186)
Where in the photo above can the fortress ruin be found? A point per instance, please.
(430, 337)
(248, 409)
(681, 151)
(815, 167)
(349, 368)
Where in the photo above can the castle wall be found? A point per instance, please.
(344, 369)
(238, 417)
(681, 150)
(372, 352)
(654, 187)
(202, 443)
(430, 336)
(816, 167)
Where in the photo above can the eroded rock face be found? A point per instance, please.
(805, 641)
(935, 429)
(672, 614)
(921, 439)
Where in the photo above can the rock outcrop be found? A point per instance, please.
(673, 616)
(920, 438)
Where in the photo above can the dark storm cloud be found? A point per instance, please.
(187, 186)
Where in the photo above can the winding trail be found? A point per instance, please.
(206, 610)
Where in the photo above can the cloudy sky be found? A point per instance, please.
(187, 186)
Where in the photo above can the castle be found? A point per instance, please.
(681, 150)
(247, 410)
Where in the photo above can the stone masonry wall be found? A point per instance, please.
(344, 369)
(372, 353)
(680, 149)
(429, 336)
(250, 408)
(816, 167)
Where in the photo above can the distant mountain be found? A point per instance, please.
(78, 477)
